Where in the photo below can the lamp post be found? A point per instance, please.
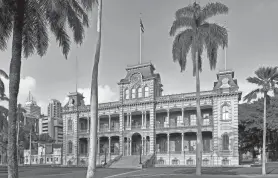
(105, 150)
(140, 151)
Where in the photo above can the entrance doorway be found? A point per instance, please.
(136, 143)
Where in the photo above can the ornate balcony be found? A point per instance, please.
(205, 122)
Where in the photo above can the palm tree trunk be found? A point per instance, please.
(264, 136)
(199, 121)
(94, 101)
(14, 81)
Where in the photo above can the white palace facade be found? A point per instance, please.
(160, 127)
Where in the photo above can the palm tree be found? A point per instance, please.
(28, 21)
(266, 79)
(197, 35)
(20, 119)
(2, 86)
(94, 99)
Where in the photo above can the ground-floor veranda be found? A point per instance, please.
(170, 149)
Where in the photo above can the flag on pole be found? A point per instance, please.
(142, 26)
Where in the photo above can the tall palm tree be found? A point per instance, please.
(94, 100)
(28, 22)
(266, 79)
(197, 33)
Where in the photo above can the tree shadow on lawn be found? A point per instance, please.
(216, 171)
(226, 171)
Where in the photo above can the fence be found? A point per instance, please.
(43, 159)
(186, 160)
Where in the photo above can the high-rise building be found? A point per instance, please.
(53, 127)
(161, 128)
(54, 109)
(33, 113)
(31, 107)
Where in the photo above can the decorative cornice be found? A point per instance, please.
(149, 100)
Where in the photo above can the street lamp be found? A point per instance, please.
(140, 151)
(105, 150)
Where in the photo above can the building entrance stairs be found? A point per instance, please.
(131, 162)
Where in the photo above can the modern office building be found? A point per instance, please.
(54, 108)
(53, 127)
(160, 127)
(31, 107)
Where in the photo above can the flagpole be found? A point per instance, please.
(140, 32)
(226, 58)
(76, 72)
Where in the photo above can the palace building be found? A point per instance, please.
(158, 127)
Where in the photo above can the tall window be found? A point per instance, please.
(69, 125)
(225, 113)
(126, 94)
(133, 93)
(83, 148)
(205, 119)
(206, 145)
(146, 91)
(70, 147)
(193, 119)
(225, 142)
(139, 92)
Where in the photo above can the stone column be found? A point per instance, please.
(142, 145)
(98, 144)
(182, 115)
(88, 146)
(130, 146)
(143, 121)
(98, 124)
(88, 125)
(130, 121)
(109, 145)
(168, 118)
(127, 146)
(109, 123)
(168, 143)
(182, 140)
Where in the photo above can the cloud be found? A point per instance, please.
(26, 84)
(105, 94)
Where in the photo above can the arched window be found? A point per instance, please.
(225, 142)
(69, 125)
(225, 112)
(126, 94)
(146, 91)
(139, 92)
(133, 93)
(70, 147)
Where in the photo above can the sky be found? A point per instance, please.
(253, 43)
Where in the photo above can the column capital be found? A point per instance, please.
(182, 109)
(109, 116)
(109, 138)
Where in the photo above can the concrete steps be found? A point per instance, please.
(131, 162)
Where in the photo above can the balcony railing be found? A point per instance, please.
(205, 122)
(106, 129)
(180, 152)
(84, 130)
(182, 96)
(103, 129)
(136, 126)
(114, 129)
